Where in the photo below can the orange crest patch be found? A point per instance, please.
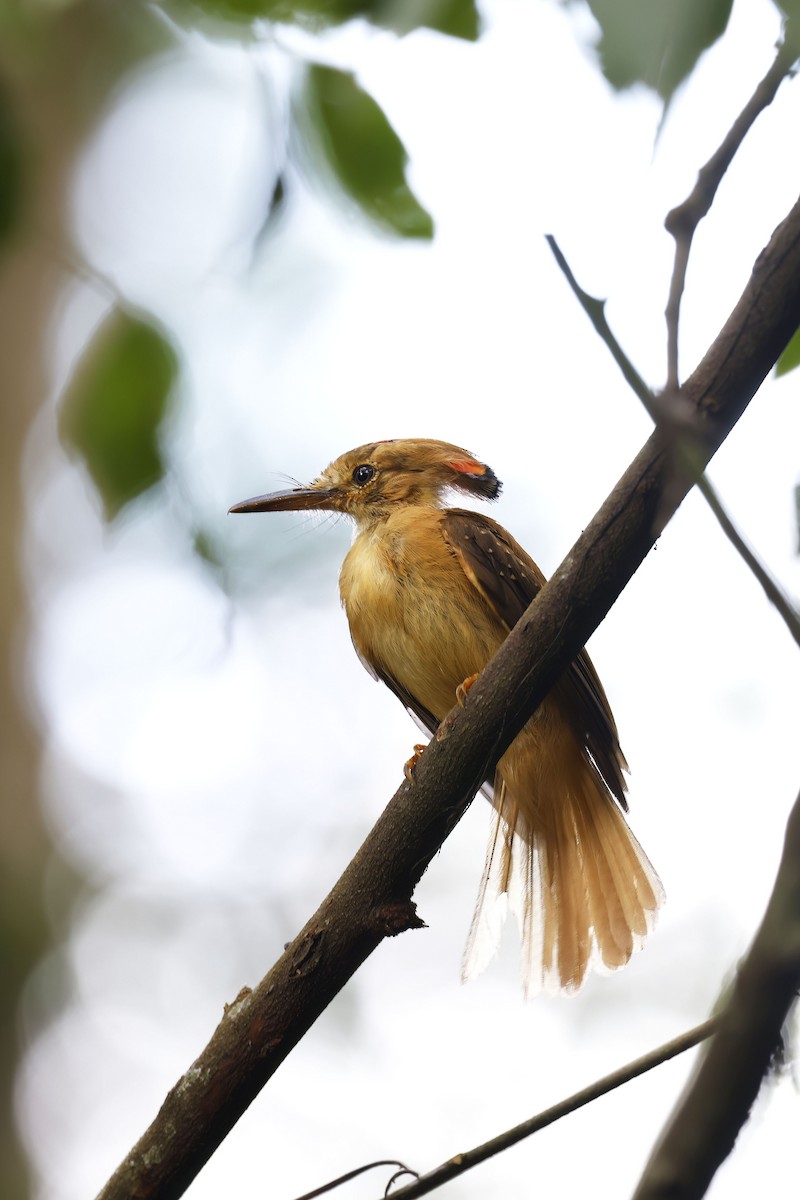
(468, 466)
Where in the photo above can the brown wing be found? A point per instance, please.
(494, 563)
(584, 697)
(508, 579)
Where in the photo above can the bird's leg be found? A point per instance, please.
(408, 769)
(463, 688)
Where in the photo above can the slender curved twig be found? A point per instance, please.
(354, 1174)
(471, 1158)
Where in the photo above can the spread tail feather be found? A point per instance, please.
(582, 889)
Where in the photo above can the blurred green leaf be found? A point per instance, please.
(365, 153)
(790, 359)
(10, 167)
(656, 42)
(458, 18)
(114, 406)
(789, 8)
(242, 12)
(311, 14)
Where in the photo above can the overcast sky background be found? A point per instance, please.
(215, 758)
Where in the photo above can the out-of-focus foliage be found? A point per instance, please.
(10, 167)
(656, 42)
(359, 144)
(458, 18)
(791, 10)
(790, 357)
(115, 404)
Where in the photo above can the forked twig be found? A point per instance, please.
(684, 435)
(683, 220)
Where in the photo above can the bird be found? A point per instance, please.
(430, 593)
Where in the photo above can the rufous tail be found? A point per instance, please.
(562, 857)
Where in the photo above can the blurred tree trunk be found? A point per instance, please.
(56, 70)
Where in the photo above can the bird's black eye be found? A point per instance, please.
(363, 474)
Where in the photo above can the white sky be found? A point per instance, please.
(214, 764)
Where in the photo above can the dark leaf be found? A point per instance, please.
(10, 167)
(278, 198)
(217, 557)
(275, 209)
(790, 357)
(205, 547)
(656, 42)
(114, 406)
(365, 153)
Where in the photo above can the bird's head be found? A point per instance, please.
(370, 482)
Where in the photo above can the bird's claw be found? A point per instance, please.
(408, 769)
(463, 688)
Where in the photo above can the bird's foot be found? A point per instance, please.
(463, 688)
(408, 769)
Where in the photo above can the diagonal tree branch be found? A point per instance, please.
(372, 900)
(703, 1129)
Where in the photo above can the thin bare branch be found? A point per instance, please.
(704, 1127)
(354, 1174)
(372, 900)
(595, 310)
(679, 420)
(683, 220)
(471, 1158)
(772, 589)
